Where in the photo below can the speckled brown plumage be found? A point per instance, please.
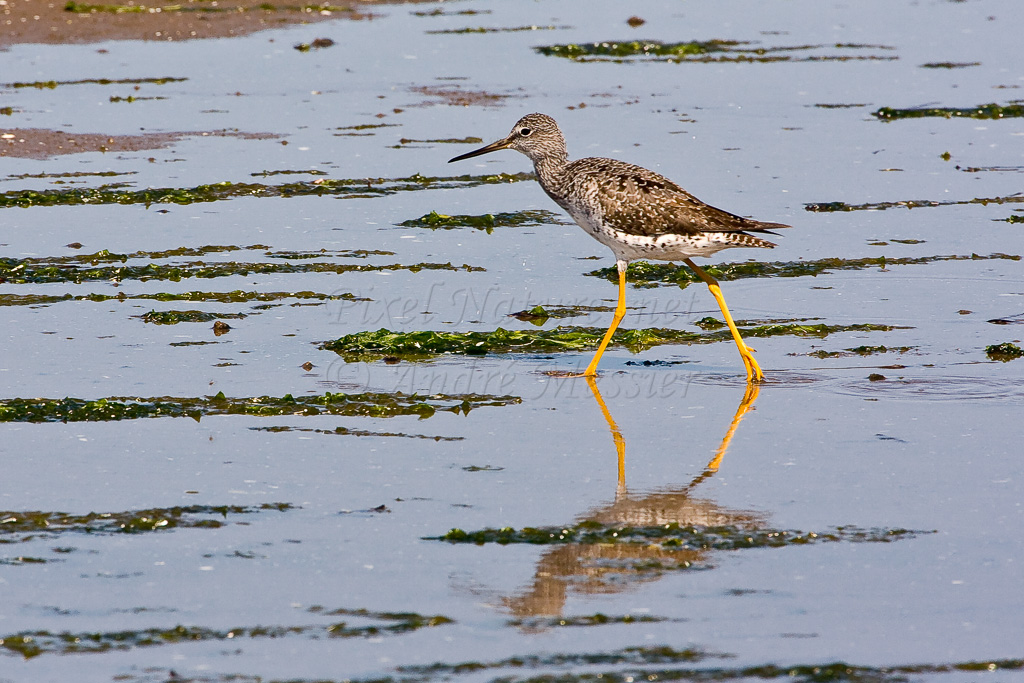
(641, 202)
(636, 212)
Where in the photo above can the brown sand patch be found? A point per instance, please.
(48, 21)
(42, 143)
(455, 96)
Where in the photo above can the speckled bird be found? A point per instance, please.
(637, 213)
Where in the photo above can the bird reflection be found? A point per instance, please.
(593, 569)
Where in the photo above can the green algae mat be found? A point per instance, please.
(214, 192)
(365, 404)
(384, 343)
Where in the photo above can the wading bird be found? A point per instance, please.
(636, 213)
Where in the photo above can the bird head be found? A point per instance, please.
(535, 135)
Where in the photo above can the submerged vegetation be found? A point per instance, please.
(538, 315)
(911, 204)
(235, 296)
(664, 663)
(338, 187)
(40, 85)
(860, 351)
(637, 48)
(599, 619)
(21, 526)
(94, 267)
(424, 344)
(981, 111)
(507, 29)
(487, 221)
(34, 643)
(1004, 352)
(673, 536)
(345, 431)
(949, 65)
(700, 51)
(647, 272)
(365, 404)
(193, 316)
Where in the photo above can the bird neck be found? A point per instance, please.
(550, 169)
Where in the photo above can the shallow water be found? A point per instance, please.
(913, 440)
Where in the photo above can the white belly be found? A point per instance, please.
(667, 247)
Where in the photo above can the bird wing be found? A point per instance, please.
(637, 201)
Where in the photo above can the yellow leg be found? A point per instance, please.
(620, 312)
(754, 373)
(745, 405)
(620, 443)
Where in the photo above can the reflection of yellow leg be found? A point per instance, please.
(620, 311)
(746, 404)
(620, 443)
(754, 373)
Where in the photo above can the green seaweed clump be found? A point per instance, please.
(77, 269)
(363, 346)
(175, 317)
(635, 48)
(99, 410)
(423, 344)
(212, 192)
(25, 525)
(709, 323)
(114, 99)
(34, 643)
(704, 51)
(949, 65)
(643, 272)
(487, 221)
(860, 351)
(538, 315)
(1004, 352)
(318, 44)
(598, 619)
(401, 622)
(982, 111)
(50, 85)
(503, 29)
(234, 296)
(367, 404)
(426, 343)
(825, 207)
(347, 431)
(666, 663)
(672, 536)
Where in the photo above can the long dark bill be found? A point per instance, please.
(493, 147)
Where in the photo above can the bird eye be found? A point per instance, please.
(525, 132)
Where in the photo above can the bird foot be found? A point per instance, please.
(754, 373)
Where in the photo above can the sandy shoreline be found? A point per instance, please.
(61, 22)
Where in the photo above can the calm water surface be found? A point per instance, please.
(923, 435)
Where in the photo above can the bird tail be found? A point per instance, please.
(742, 239)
